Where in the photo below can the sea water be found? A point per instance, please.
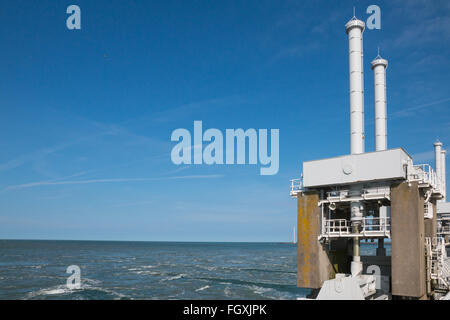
(36, 269)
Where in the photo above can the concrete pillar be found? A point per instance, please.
(407, 232)
(430, 225)
(313, 264)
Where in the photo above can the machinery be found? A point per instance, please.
(378, 197)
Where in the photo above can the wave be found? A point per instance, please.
(56, 290)
(178, 276)
(209, 268)
(145, 273)
(259, 290)
(87, 285)
(267, 270)
(202, 288)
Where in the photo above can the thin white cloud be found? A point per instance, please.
(199, 106)
(407, 112)
(20, 160)
(132, 204)
(116, 180)
(410, 111)
(208, 176)
(424, 22)
(101, 130)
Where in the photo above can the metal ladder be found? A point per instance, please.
(438, 264)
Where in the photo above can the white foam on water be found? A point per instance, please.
(56, 290)
(145, 273)
(259, 290)
(203, 288)
(209, 268)
(227, 291)
(86, 284)
(178, 276)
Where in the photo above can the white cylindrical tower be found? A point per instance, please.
(379, 66)
(355, 29)
(437, 159)
(443, 177)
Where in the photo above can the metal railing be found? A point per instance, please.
(337, 227)
(444, 230)
(296, 187)
(425, 174)
(438, 264)
(370, 227)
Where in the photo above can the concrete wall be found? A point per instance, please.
(313, 264)
(407, 232)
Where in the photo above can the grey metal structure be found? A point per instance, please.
(365, 167)
(373, 196)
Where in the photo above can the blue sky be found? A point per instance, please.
(87, 115)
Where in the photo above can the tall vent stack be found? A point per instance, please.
(355, 29)
(443, 177)
(379, 66)
(438, 159)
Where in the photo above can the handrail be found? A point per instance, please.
(296, 186)
(426, 174)
(370, 226)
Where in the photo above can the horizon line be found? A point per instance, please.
(185, 241)
(108, 240)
